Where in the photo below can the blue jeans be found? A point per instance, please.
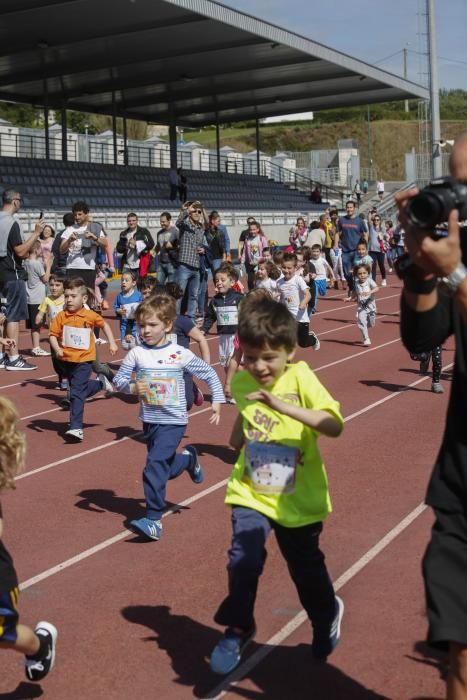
(347, 265)
(299, 547)
(203, 292)
(188, 278)
(81, 388)
(165, 273)
(162, 464)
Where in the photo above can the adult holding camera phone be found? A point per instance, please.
(80, 242)
(433, 307)
(14, 248)
(191, 225)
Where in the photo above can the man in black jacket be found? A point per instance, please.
(429, 315)
(134, 244)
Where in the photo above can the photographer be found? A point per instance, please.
(429, 315)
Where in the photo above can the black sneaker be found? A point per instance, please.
(37, 669)
(19, 365)
(424, 365)
(326, 640)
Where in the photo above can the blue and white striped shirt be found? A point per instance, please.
(162, 368)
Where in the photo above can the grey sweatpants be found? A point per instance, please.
(366, 318)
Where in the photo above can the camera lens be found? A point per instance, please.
(426, 210)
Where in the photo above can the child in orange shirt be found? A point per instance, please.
(72, 340)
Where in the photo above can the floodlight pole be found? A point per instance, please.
(437, 164)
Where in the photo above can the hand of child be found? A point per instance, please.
(113, 349)
(216, 413)
(142, 388)
(129, 338)
(302, 306)
(59, 352)
(122, 311)
(267, 398)
(8, 343)
(227, 391)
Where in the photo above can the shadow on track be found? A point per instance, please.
(24, 691)
(388, 386)
(188, 644)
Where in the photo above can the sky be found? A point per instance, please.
(372, 30)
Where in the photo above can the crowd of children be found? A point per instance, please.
(278, 481)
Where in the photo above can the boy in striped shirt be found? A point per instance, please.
(159, 366)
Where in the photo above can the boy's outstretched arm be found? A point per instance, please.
(110, 337)
(321, 421)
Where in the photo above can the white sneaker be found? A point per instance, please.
(384, 283)
(317, 344)
(101, 341)
(74, 435)
(40, 352)
(367, 341)
(106, 385)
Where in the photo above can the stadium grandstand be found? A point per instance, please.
(186, 63)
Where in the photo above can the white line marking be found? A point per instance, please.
(116, 538)
(232, 679)
(47, 376)
(357, 354)
(350, 305)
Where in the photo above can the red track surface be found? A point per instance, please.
(136, 618)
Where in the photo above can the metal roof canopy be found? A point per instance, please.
(189, 62)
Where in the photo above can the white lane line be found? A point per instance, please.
(111, 443)
(121, 535)
(224, 687)
(356, 354)
(350, 325)
(47, 376)
(116, 538)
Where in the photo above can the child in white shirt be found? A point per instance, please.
(363, 293)
(294, 293)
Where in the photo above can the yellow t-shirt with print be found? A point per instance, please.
(279, 471)
(52, 307)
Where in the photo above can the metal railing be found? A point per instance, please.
(34, 146)
(102, 152)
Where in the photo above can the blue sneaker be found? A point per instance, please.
(195, 470)
(227, 653)
(152, 529)
(325, 641)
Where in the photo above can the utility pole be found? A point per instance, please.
(406, 102)
(437, 167)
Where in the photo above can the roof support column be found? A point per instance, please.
(64, 135)
(125, 142)
(218, 145)
(46, 120)
(437, 161)
(114, 128)
(173, 143)
(258, 160)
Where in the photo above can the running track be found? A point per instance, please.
(135, 618)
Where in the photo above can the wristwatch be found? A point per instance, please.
(455, 278)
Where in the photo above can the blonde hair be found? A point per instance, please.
(12, 444)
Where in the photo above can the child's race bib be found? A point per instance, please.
(162, 387)
(270, 468)
(227, 315)
(76, 338)
(130, 310)
(172, 338)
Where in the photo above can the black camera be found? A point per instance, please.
(435, 202)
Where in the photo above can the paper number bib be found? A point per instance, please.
(130, 310)
(227, 315)
(163, 388)
(271, 467)
(76, 338)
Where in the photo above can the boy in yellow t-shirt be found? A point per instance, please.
(278, 482)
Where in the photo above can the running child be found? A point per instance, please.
(125, 306)
(223, 310)
(72, 340)
(323, 273)
(278, 482)
(267, 276)
(50, 307)
(146, 285)
(37, 645)
(364, 294)
(294, 293)
(38, 276)
(362, 257)
(185, 331)
(159, 366)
